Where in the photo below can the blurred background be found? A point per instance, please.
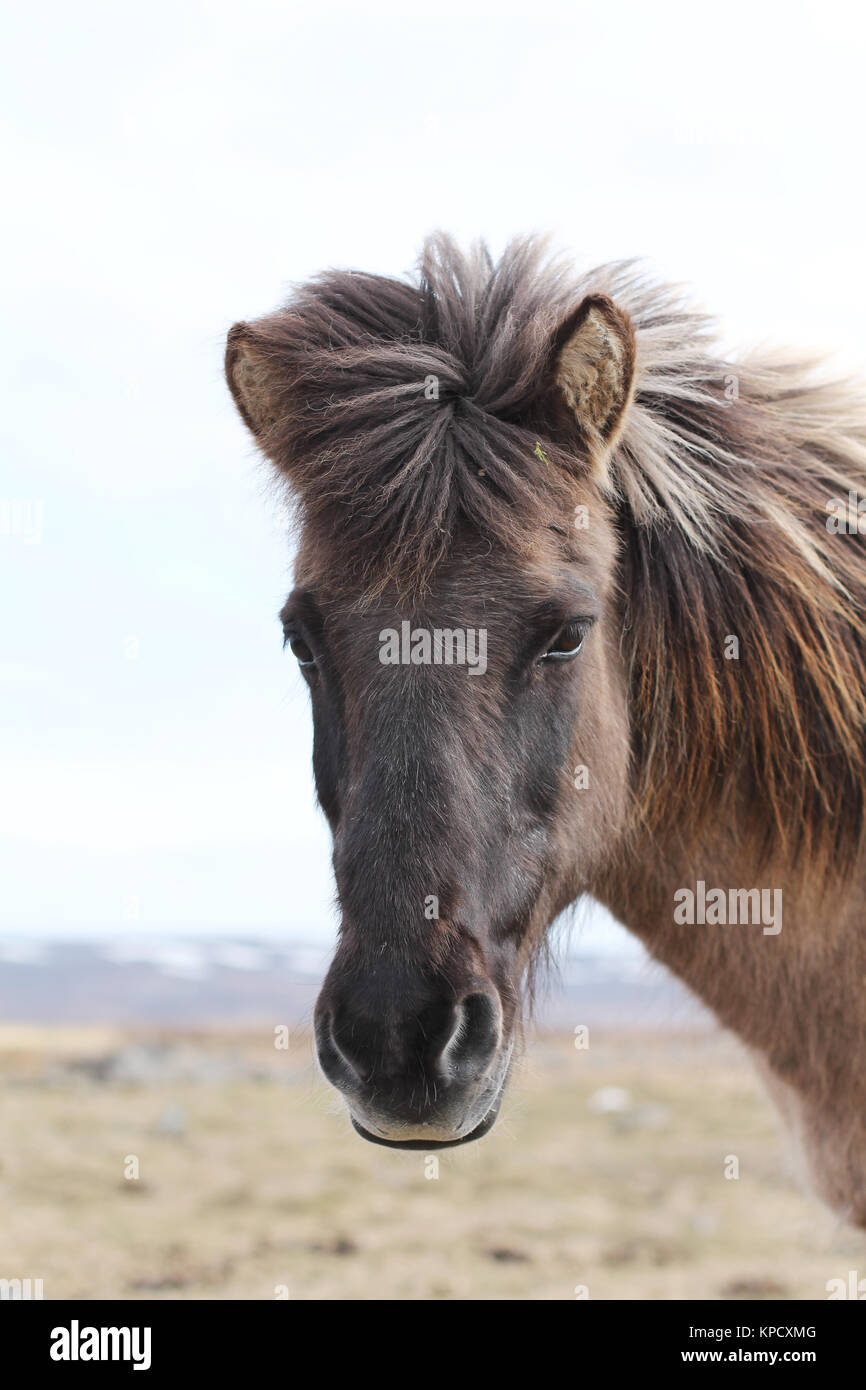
(165, 893)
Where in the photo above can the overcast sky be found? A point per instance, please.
(172, 167)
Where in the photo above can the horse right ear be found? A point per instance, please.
(256, 380)
(593, 368)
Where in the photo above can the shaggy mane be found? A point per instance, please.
(720, 483)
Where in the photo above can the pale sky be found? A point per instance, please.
(169, 168)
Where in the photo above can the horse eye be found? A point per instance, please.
(301, 651)
(567, 643)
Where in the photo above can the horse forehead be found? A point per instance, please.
(476, 570)
(494, 591)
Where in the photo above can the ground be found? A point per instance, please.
(604, 1177)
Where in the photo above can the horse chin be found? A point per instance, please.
(478, 1132)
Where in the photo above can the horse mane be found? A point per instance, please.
(722, 480)
(719, 483)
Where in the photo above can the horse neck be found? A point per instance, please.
(759, 978)
(797, 998)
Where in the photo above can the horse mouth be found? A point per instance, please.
(482, 1128)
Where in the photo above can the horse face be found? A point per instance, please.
(456, 625)
(470, 755)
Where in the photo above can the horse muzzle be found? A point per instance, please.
(425, 1074)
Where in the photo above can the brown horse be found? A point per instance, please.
(580, 607)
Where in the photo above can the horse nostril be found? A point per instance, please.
(476, 1036)
(339, 1067)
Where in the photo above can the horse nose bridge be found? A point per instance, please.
(425, 758)
(405, 839)
(415, 726)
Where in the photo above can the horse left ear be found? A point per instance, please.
(593, 368)
(255, 380)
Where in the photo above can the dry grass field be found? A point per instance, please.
(606, 1170)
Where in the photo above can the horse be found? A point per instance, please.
(664, 550)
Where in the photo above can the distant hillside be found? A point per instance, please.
(219, 979)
